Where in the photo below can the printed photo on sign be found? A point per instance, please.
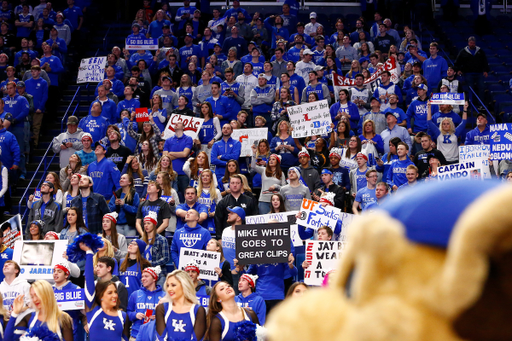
(322, 257)
(248, 137)
(91, 70)
(501, 141)
(310, 119)
(315, 215)
(38, 258)
(460, 171)
(192, 125)
(479, 154)
(12, 231)
(263, 243)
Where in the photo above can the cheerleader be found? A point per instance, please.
(130, 271)
(110, 232)
(209, 196)
(224, 313)
(45, 322)
(180, 317)
(143, 302)
(105, 320)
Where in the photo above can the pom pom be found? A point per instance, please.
(261, 333)
(41, 333)
(76, 254)
(245, 331)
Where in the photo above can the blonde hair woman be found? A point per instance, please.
(180, 304)
(46, 313)
(106, 251)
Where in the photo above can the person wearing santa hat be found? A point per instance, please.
(157, 250)
(271, 175)
(118, 240)
(192, 269)
(249, 299)
(61, 274)
(358, 175)
(143, 302)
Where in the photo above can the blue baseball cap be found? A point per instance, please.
(423, 87)
(238, 210)
(395, 114)
(100, 144)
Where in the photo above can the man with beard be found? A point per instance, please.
(94, 205)
(47, 209)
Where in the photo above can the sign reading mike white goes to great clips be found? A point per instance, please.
(310, 119)
(263, 244)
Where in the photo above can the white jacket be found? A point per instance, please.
(249, 83)
(75, 138)
(11, 291)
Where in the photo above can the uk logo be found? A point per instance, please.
(179, 326)
(108, 324)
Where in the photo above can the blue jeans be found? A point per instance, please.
(126, 230)
(19, 132)
(264, 207)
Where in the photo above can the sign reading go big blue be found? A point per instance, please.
(142, 44)
(70, 299)
(501, 141)
(448, 98)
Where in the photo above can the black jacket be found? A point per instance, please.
(467, 62)
(249, 205)
(340, 194)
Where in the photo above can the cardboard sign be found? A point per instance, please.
(142, 44)
(263, 244)
(315, 215)
(310, 119)
(341, 82)
(207, 261)
(284, 217)
(192, 125)
(141, 115)
(14, 233)
(91, 70)
(38, 258)
(323, 256)
(248, 137)
(448, 98)
(501, 141)
(70, 299)
(460, 171)
(478, 153)
(204, 300)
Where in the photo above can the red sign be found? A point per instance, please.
(141, 115)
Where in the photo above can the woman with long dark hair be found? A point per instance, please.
(208, 195)
(132, 265)
(75, 225)
(139, 175)
(74, 167)
(117, 239)
(126, 202)
(232, 168)
(277, 203)
(271, 175)
(150, 133)
(194, 166)
(35, 231)
(147, 157)
(387, 159)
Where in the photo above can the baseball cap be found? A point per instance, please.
(238, 210)
(481, 114)
(312, 15)
(417, 64)
(363, 59)
(423, 87)
(49, 184)
(168, 78)
(136, 24)
(72, 120)
(319, 68)
(395, 114)
(374, 99)
(189, 35)
(262, 75)
(100, 144)
(308, 51)
(20, 84)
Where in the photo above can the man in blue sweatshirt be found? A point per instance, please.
(38, 88)
(104, 173)
(479, 135)
(434, 68)
(224, 150)
(262, 97)
(9, 151)
(128, 102)
(418, 110)
(51, 64)
(190, 204)
(249, 299)
(94, 123)
(108, 106)
(190, 236)
(17, 109)
(220, 105)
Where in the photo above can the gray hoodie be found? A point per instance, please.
(293, 196)
(65, 137)
(311, 177)
(201, 93)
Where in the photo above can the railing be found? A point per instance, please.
(44, 162)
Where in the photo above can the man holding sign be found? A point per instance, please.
(479, 135)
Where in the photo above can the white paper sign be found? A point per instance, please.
(247, 137)
(478, 154)
(448, 98)
(207, 261)
(323, 256)
(70, 299)
(282, 218)
(38, 258)
(91, 70)
(461, 171)
(192, 125)
(346, 221)
(310, 119)
(314, 215)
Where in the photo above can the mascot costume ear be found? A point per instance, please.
(433, 263)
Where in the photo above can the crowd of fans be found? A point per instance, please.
(148, 196)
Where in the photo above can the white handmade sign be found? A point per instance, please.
(315, 215)
(322, 257)
(248, 137)
(38, 258)
(192, 125)
(448, 98)
(461, 171)
(207, 261)
(310, 119)
(478, 153)
(91, 70)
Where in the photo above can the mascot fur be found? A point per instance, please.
(434, 263)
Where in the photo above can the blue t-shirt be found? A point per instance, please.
(366, 196)
(178, 144)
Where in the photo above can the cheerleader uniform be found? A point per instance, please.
(228, 328)
(177, 326)
(27, 321)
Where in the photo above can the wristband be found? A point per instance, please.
(13, 314)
